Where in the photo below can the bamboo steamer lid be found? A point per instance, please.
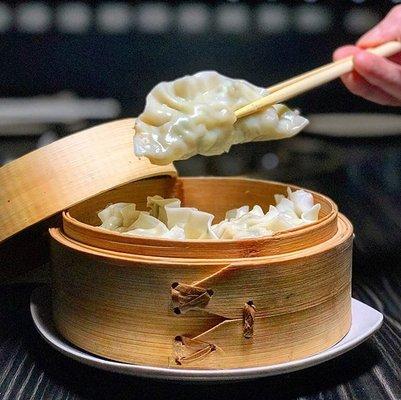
(38, 186)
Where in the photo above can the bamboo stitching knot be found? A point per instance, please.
(189, 297)
(187, 350)
(249, 312)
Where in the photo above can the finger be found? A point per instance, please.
(349, 80)
(387, 29)
(353, 83)
(379, 72)
(349, 50)
(357, 85)
(344, 52)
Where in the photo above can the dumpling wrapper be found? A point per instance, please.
(237, 212)
(251, 218)
(195, 115)
(238, 231)
(158, 206)
(287, 207)
(147, 225)
(111, 216)
(199, 226)
(178, 216)
(117, 217)
(252, 233)
(303, 201)
(175, 232)
(275, 220)
(311, 215)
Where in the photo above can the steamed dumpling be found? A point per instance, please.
(237, 212)
(199, 226)
(233, 230)
(167, 219)
(158, 206)
(280, 221)
(286, 206)
(195, 115)
(175, 232)
(312, 214)
(251, 217)
(303, 201)
(146, 225)
(178, 216)
(119, 216)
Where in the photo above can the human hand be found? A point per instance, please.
(375, 78)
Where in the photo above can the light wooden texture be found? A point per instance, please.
(281, 338)
(68, 171)
(33, 370)
(302, 83)
(201, 193)
(118, 305)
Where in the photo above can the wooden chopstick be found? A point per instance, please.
(298, 78)
(312, 79)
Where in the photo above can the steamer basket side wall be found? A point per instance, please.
(120, 305)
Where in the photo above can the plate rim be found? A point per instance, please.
(40, 294)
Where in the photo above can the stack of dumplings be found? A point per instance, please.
(167, 219)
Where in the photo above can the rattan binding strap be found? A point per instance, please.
(249, 319)
(189, 297)
(187, 350)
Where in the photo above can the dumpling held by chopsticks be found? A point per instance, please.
(195, 115)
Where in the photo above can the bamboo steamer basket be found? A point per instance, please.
(179, 304)
(202, 304)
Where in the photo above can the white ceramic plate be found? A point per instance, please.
(365, 321)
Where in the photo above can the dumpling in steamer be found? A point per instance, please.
(178, 216)
(303, 201)
(119, 216)
(167, 219)
(195, 115)
(158, 206)
(146, 225)
(237, 212)
(199, 226)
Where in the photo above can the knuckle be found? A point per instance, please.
(396, 9)
(395, 12)
(362, 90)
(357, 89)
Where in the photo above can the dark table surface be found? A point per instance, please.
(30, 369)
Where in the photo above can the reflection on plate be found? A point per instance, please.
(365, 321)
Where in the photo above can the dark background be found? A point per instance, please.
(121, 50)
